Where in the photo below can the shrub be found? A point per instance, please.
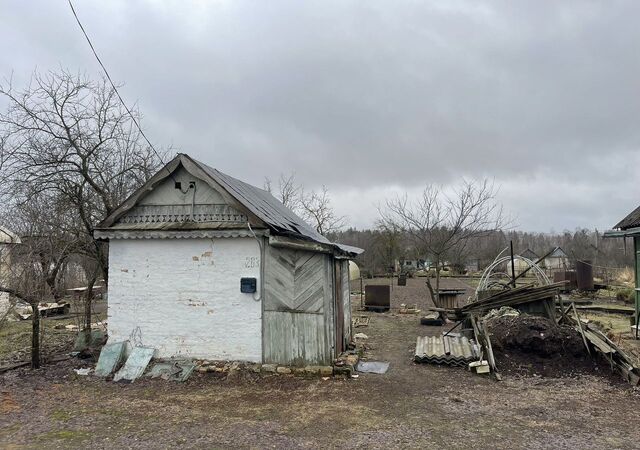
(626, 295)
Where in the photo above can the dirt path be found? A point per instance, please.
(411, 406)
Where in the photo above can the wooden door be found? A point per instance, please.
(339, 302)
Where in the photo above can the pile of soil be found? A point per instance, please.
(536, 346)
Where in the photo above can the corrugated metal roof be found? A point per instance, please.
(450, 350)
(631, 221)
(264, 205)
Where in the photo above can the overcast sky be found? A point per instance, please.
(371, 97)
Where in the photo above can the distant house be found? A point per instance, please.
(203, 265)
(556, 260)
(8, 240)
(472, 265)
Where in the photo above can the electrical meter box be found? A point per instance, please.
(248, 285)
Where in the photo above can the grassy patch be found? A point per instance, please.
(67, 436)
(60, 415)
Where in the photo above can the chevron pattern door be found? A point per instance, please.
(295, 282)
(298, 322)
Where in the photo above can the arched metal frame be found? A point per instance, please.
(489, 277)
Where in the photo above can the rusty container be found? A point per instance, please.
(377, 297)
(566, 275)
(584, 275)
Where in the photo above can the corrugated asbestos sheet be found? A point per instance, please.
(453, 351)
(631, 221)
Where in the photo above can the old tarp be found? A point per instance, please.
(110, 358)
(136, 364)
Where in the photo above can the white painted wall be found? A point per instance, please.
(182, 297)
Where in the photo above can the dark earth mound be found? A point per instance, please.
(532, 345)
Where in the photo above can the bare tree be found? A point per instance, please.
(71, 135)
(68, 138)
(442, 224)
(313, 206)
(316, 208)
(288, 190)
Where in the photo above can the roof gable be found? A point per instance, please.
(261, 208)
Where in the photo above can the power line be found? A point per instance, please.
(106, 72)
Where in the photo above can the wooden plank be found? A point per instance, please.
(295, 339)
(584, 339)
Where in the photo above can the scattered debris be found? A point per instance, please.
(530, 299)
(432, 320)
(110, 359)
(173, 371)
(409, 310)
(83, 371)
(449, 350)
(479, 367)
(361, 336)
(362, 321)
(136, 364)
(502, 312)
(372, 367)
(24, 310)
(91, 340)
(608, 350)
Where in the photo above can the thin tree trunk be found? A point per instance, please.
(437, 297)
(88, 300)
(35, 336)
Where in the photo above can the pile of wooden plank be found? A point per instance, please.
(598, 342)
(515, 297)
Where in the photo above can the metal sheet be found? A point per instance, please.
(110, 358)
(377, 296)
(584, 275)
(136, 364)
(372, 367)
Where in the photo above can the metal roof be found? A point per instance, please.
(264, 205)
(450, 350)
(631, 221)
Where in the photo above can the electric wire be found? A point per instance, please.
(106, 72)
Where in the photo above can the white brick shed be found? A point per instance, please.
(181, 246)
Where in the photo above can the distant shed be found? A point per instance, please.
(629, 227)
(8, 239)
(204, 265)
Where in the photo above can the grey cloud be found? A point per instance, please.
(362, 96)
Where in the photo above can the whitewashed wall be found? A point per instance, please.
(182, 296)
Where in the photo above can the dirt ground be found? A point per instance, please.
(411, 406)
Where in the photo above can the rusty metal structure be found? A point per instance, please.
(584, 276)
(377, 297)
